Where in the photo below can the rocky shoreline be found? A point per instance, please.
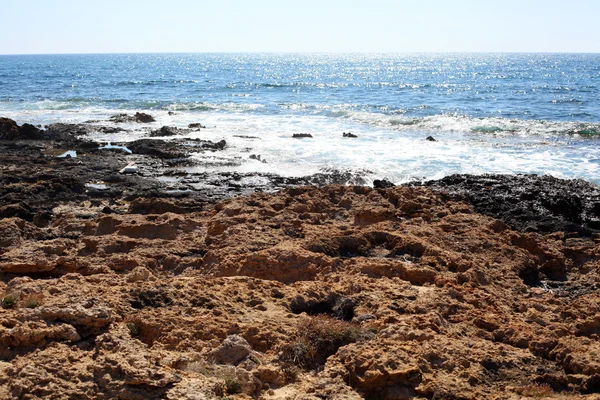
(124, 286)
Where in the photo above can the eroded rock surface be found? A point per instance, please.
(528, 202)
(341, 292)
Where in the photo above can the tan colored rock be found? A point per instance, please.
(140, 274)
(454, 304)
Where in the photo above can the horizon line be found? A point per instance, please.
(299, 52)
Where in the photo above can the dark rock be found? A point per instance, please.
(168, 131)
(161, 206)
(9, 130)
(430, 139)
(349, 135)
(86, 145)
(157, 148)
(246, 137)
(138, 117)
(301, 135)
(65, 132)
(106, 129)
(120, 118)
(220, 145)
(257, 158)
(196, 126)
(382, 184)
(69, 132)
(529, 203)
(29, 131)
(145, 118)
(171, 113)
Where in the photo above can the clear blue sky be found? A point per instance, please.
(114, 26)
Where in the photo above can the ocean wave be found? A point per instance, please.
(154, 82)
(472, 125)
(203, 106)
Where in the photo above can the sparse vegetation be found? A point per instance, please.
(33, 300)
(226, 373)
(9, 300)
(134, 330)
(318, 338)
(536, 390)
(290, 372)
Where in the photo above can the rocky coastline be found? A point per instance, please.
(121, 286)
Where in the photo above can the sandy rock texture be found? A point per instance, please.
(337, 292)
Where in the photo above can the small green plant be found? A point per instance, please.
(9, 301)
(318, 338)
(32, 301)
(134, 330)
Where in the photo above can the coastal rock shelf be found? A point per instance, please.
(120, 287)
(164, 299)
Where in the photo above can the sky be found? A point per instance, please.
(142, 26)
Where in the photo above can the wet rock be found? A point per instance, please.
(142, 117)
(29, 131)
(157, 148)
(60, 131)
(382, 184)
(220, 145)
(9, 130)
(137, 117)
(430, 139)
(301, 135)
(196, 125)
(530, 203)
(349, 135)
(168, 131)
(257, 157)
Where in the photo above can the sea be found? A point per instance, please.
(488, 113)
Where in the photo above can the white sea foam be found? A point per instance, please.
(387, 146)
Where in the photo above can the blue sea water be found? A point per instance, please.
(500, 113)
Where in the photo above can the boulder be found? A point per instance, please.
(168, 131)
(9, 130)
(144, 118)
(233, 350)
(349, 135)
(382, 184)
(220, 145)
(138, 117)
(301, 135)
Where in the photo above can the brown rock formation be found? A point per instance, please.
(394, 293)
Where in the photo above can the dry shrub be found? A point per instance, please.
(536, 390)
(225, 373)
(33, 300)
(320, 337)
